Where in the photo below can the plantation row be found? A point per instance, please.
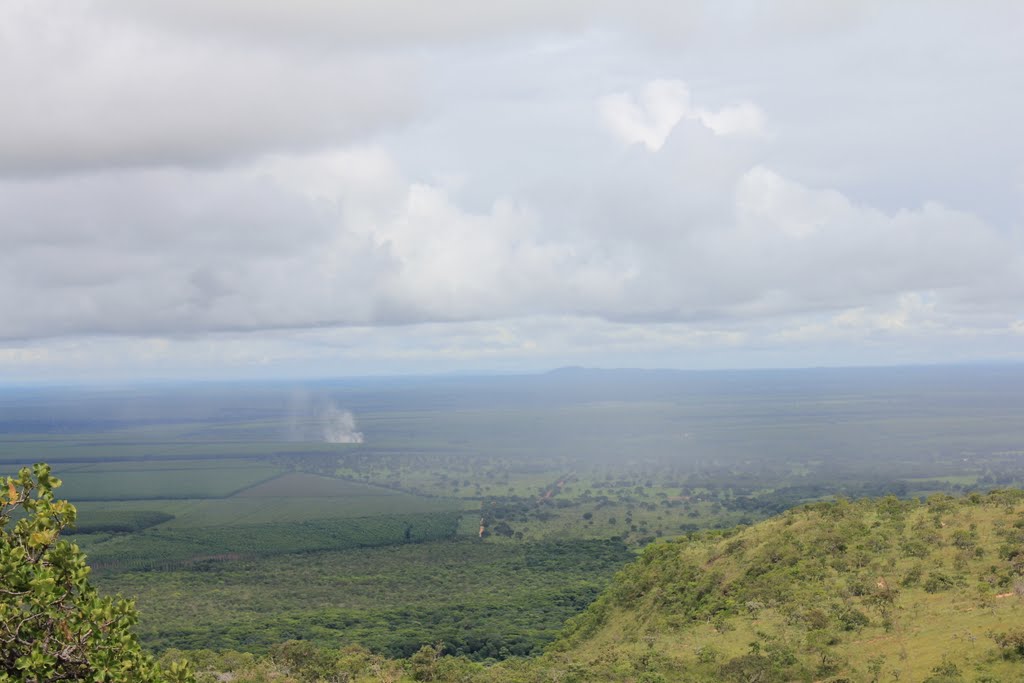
(163, 484)
(119, 521)
(168, 548)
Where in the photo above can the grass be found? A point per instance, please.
(156, 482)
(119, 521)
(779, 584)
(304, 485)
(168, 547)
(240, 510)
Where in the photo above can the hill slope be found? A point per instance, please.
(863, 591)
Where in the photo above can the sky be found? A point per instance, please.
(329, 188)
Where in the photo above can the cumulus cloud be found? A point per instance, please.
(344, 238)
(651, 116)
(233, 180)
(352, 22)
(742, 119)
(90, 89)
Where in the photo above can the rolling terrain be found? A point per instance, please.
(482, 512)
(862, 591)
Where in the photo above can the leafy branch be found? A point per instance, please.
(54, 626)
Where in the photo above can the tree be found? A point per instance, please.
(54, 626)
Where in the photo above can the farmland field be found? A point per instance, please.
(297, 484)
(160, 548)
(159, 481)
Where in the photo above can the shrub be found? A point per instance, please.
(53, 623)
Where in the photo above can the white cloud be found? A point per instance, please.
(344, 238)
(661, 105)
(766, 201)
(456, 181)
(741, 119)
(650, 117)
(90, 89)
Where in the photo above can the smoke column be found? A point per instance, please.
(339, 426)
(314, 418)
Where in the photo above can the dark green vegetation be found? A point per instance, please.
(481, 600)
(119, 521)
(225, 500)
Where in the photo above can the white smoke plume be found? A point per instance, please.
(339, 426)
(314, 418)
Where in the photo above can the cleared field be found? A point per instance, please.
(167, 548)
(165, 465)
(242, 510)
(300, 484)
(118, 521)
(156, 482)
(147, 444)
(89, 508)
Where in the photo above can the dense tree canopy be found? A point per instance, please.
(54, 626)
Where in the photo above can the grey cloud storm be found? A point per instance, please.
(343, 185)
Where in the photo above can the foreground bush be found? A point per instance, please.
(54, 626)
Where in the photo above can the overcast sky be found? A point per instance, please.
(254, 188)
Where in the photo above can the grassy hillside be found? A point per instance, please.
(875, 590)
(865, 591)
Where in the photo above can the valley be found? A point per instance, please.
(480, 514)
